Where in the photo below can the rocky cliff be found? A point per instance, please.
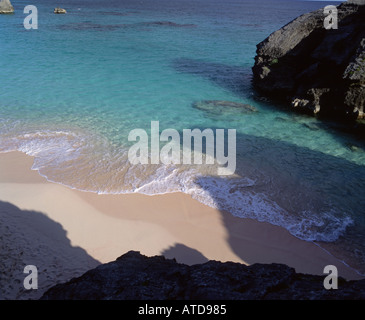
(6, 7)
(315, 69)
(134, 276)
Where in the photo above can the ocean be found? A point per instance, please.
(71, 91)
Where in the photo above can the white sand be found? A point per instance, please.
(66, 232)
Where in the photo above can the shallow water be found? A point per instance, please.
(72, 91)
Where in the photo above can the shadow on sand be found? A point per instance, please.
(31, 238)
(318, 193)
(184, 254)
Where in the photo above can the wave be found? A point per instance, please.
(88, 162)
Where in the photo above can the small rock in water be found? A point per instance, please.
(353, 147)
(59, 10)
(219, 107)
(6, 7)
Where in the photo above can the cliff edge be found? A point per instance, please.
(317, 70)
(137, 277)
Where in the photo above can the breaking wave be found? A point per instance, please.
(89, 163)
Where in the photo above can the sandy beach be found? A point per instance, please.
(66, 232)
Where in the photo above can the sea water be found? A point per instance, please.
(71, 91)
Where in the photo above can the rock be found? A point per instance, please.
(317, 70)
(59, 10)
(305, 105)
(137, 277)
(354, 148)
(6, 7)
(359, 2)
(221, 107)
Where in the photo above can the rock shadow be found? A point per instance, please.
(184, 254)
(316, 196)
(32, 238)
(235, 79)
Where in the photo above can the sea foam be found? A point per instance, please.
(74, 159)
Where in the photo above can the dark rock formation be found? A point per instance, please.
(318, 70)
(6, 7)
(134, 276)
(361, 2)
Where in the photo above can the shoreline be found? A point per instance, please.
(93, 229)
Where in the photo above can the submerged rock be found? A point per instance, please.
(222, 107)
(6, 7)
(59, 10)
(137, 277)
(168, 24)
(317, 70)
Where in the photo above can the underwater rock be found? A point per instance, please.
(222, 107)
(168, 24)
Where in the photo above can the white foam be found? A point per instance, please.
(75, 160)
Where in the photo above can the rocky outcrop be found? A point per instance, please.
(361, 2)
(318, 70)
(134, 276)
(59, 11)
(6, 7)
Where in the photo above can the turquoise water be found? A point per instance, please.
(72, 90)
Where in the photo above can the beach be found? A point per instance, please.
(65, 232)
